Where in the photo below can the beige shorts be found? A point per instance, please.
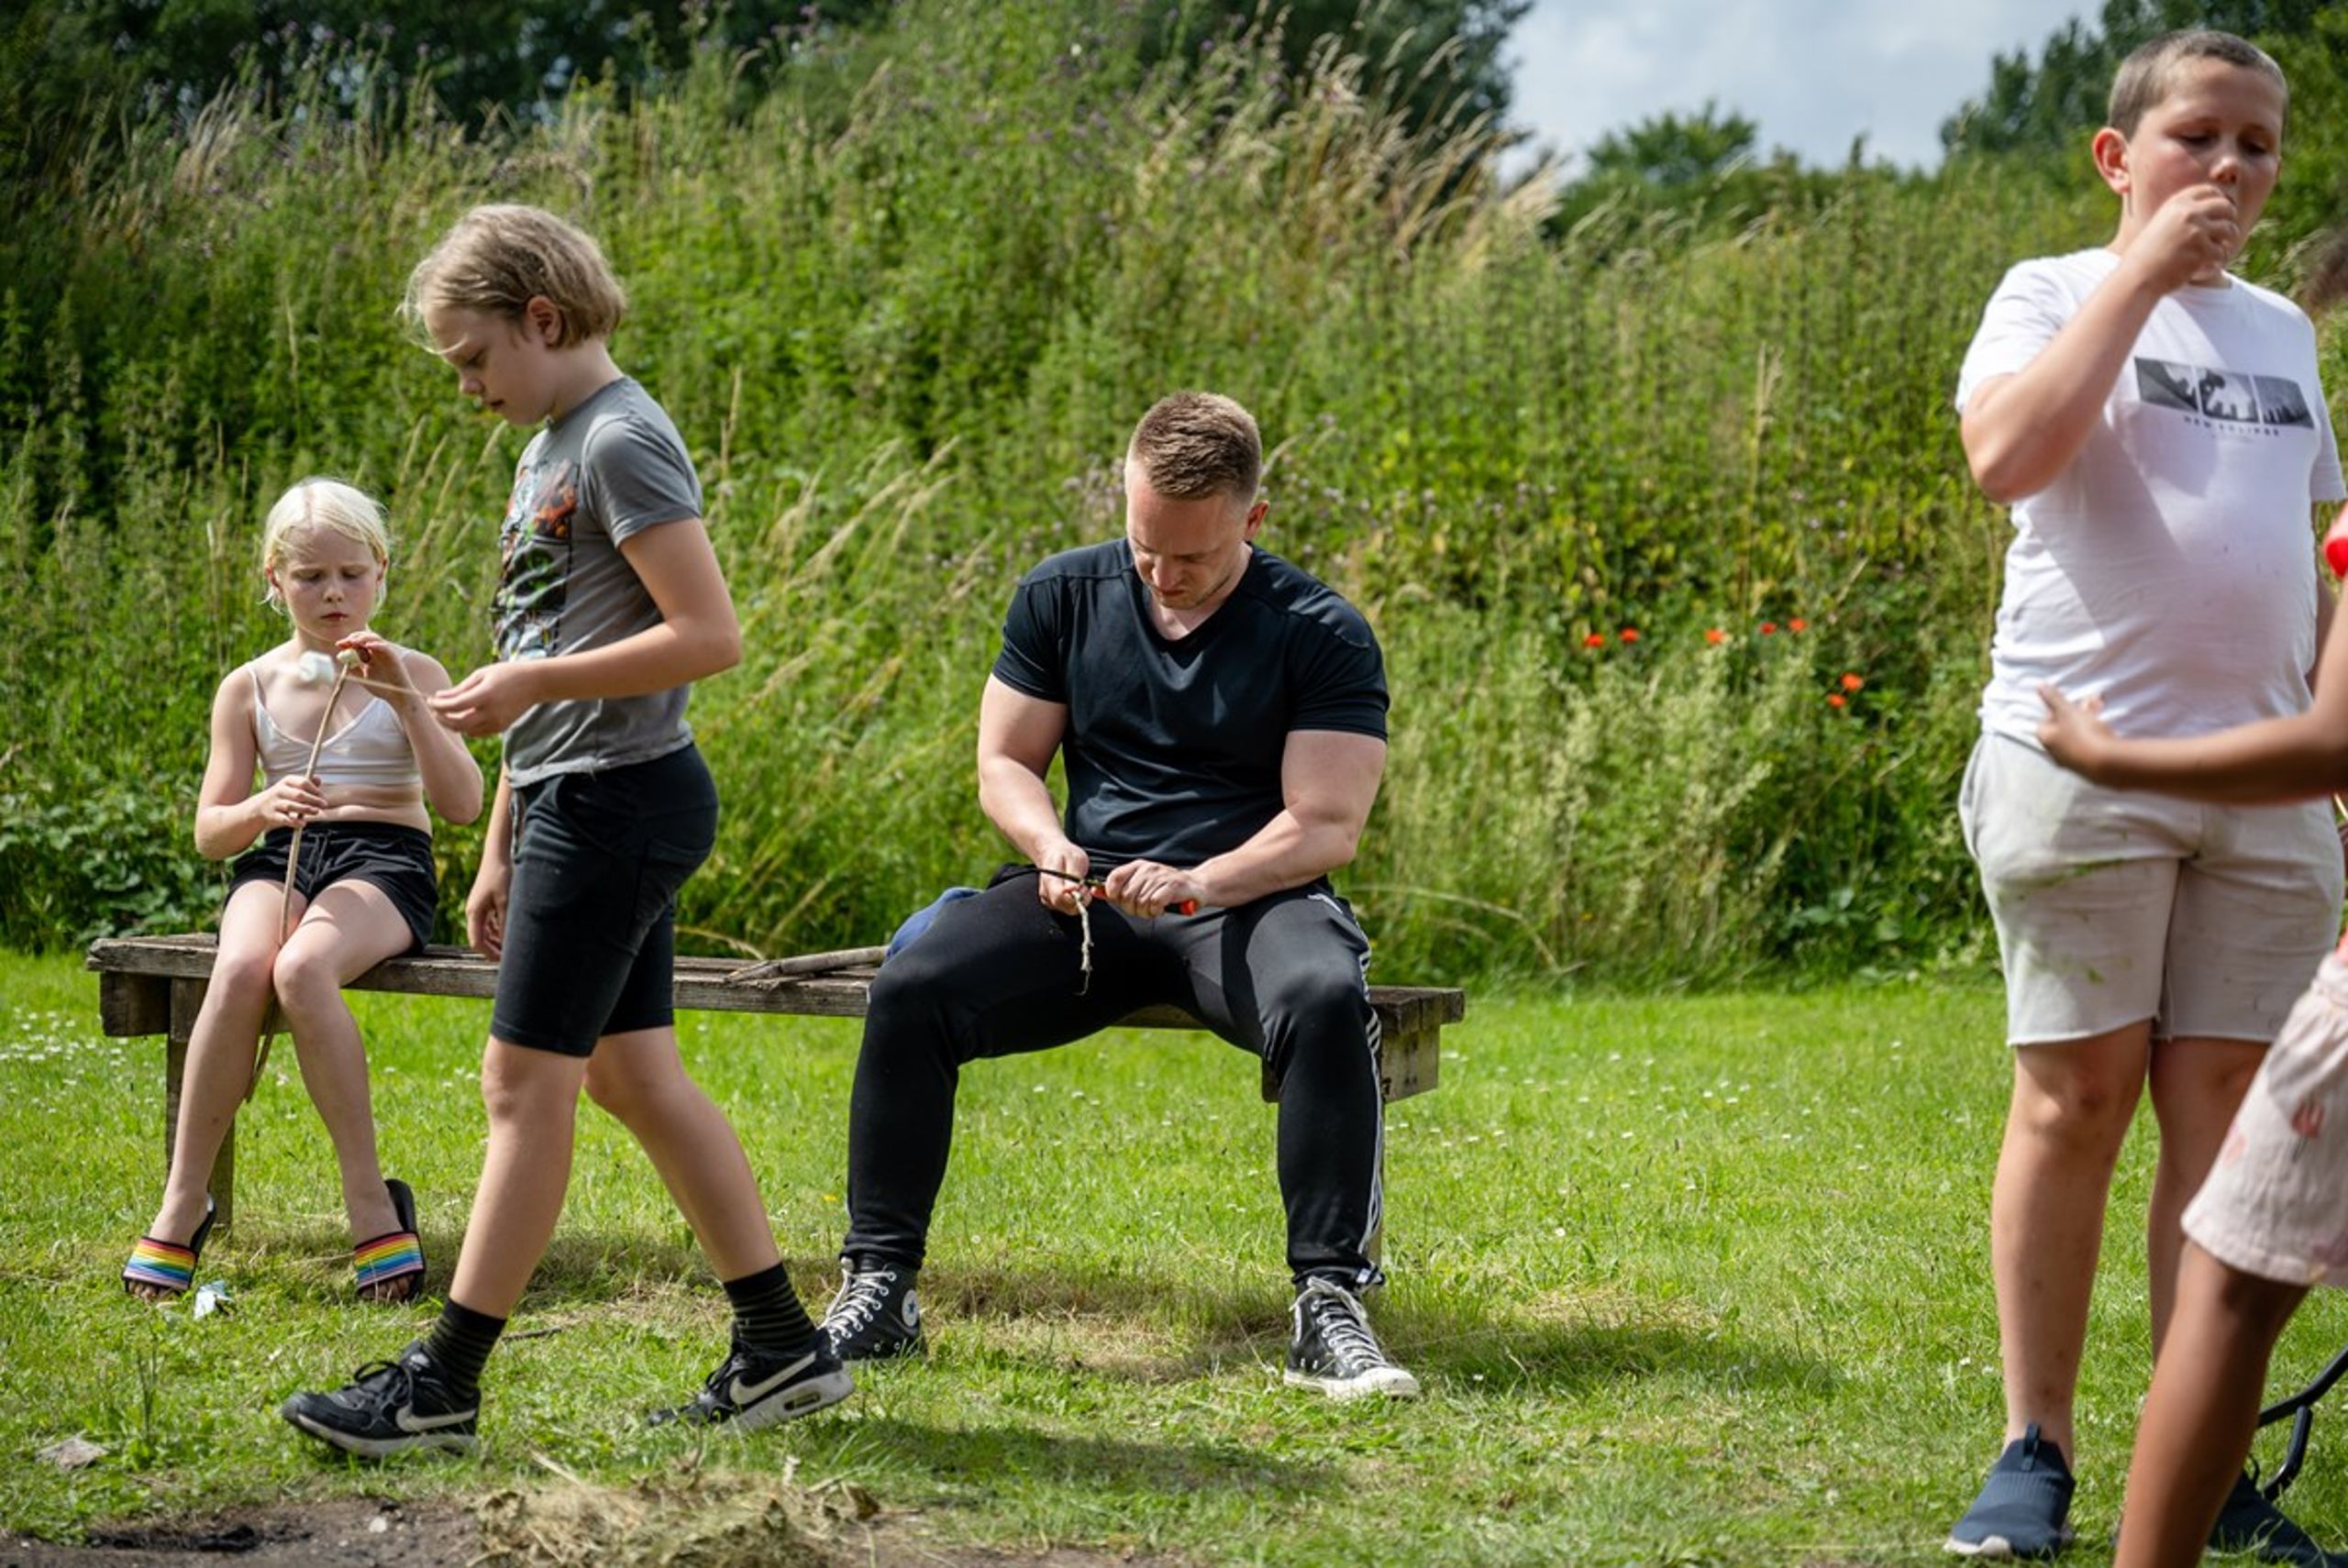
(2275, 1204)
(2117, 906)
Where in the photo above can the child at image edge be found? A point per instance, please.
(2157, 425)
(365, 891)
(610, 604)
(2272, 1219)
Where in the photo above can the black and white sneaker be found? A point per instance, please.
(388, 1408)
(876, 1314)
(1333, 1350)
(753, 1388)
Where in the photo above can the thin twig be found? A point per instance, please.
(293, 864)
(805, 966)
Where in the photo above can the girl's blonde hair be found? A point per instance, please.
(498, 257)
(329, 503)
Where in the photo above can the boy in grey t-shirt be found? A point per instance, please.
(610, 604)
(595, 479)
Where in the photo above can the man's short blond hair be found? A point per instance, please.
(2149, 74)
(1197, 444)
(498, 257)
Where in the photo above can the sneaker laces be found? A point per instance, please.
(715, 1383)
(863, 1294)
(1338, 1318)
(394, 1379)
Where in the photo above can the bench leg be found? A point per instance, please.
(187, 1000)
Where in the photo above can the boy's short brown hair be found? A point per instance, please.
(2145, 77)
(1196, 444)
(498, 257)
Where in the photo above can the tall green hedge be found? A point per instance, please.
(1587, 486)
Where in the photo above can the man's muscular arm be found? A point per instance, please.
(1018, 735)
(1328, 782)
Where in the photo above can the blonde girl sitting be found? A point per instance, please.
(364, 892)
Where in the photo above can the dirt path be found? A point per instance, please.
(360, 1533)
(354, 1534)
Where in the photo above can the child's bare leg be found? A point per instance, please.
(2203, 1407)
(2196, 1086)
(349, 928)
(219, 1058)
(641, 1080)
(2072, 1103)
(533, 1102)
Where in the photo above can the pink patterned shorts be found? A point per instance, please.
(2275, 1204)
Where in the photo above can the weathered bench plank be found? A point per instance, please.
(154, 984)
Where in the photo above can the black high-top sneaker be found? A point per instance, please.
(876, 1313)
(1334, 1351)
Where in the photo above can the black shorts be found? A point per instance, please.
(391, 856)
(591, 918)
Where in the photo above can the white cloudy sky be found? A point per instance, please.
(1812, 73)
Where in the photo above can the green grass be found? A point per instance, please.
(1689, 1280)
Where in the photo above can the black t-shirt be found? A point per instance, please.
(1173, 747)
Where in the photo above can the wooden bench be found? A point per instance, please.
(154, 984)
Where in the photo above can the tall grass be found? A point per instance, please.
(905, 305)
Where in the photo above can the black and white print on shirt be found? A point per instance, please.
(2222, 397)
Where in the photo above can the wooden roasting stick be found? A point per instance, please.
(275, 1020)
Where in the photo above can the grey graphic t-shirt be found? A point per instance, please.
(610, 467)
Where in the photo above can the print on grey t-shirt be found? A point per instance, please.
(603, 471)
(534, 560)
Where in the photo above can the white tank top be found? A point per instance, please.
(371, 749)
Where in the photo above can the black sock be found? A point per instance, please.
(461, 1343)
(768, 1313)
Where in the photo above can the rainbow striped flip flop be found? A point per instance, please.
(396, 1254)
(167, 1263)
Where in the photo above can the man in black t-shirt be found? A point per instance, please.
(1223, 718)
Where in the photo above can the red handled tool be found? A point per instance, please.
(1101, 884)
(2335, 555)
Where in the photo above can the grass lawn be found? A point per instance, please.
(1688, 1280)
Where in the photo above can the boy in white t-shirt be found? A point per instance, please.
(2158, 428)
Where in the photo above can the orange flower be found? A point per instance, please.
(1715, 634)
(1767, 628)
(1852, 682)
(1630, 634)
(1796, 624)
(1834, 698)
(1595, 640)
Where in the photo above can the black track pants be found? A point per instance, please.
(998, 975)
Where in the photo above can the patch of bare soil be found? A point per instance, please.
(695, 1522)
(347, 1532)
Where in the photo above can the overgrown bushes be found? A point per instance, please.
(905, 333)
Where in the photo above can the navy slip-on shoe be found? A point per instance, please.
(2024, 1507)
(2249, 1523)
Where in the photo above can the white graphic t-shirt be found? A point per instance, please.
(2170, 568)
